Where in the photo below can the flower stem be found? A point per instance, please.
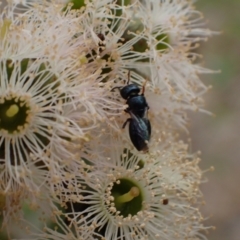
(12, 110)
(127, 197)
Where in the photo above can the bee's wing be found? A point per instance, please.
(139, 131)
(145, 115)
(147, 122)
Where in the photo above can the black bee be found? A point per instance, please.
(139, 125)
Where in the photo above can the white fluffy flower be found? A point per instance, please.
(51, 94)
(33, 96)
(57, 230)
(31, 195)
(62, 70)
(138, 197)
(172, 29)
(154, 41)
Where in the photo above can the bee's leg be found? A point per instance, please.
(128, 120)
(118, 87)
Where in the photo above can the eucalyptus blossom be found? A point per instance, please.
(130, 196)
(63, 149)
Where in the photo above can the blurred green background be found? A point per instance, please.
(218, 137)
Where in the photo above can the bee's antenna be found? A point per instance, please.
(143, 86)
(129, 75)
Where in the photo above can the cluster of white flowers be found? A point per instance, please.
(63, 151)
